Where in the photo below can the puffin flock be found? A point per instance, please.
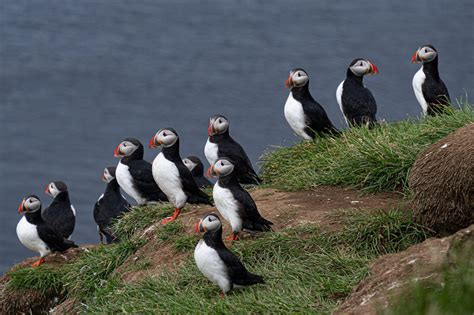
(179, 181)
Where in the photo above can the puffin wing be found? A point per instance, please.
(236, 270)
(191, 189)
(436, 94)
(233, 150)
(54, 241)
(359, 108)
(252, 219)
(141, 172)
(59, 220)
(317, 118)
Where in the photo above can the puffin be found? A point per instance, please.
(355, 100)
(172, 176)
(35, 234)
(216, 262)
(305, 116)
(134, 174)
(109, 206)
(220, 143)
(233, 202)
(194, 164)
(60, 215)
(430, 90)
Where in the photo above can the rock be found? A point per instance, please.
(392, 275)
(442, 182)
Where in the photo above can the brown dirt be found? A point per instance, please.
(284, 209)
(442, 181)
(391, 276)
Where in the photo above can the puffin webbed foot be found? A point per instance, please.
(38, 262)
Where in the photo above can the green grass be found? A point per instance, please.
(373, 160)
(45, 279)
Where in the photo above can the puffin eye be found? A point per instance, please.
(299, 74)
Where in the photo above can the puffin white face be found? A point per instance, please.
(107, 176)
(209, 223)
(361, 67)
(217, 124)
(222, 167)
(125, 148)
(29, 205)
(164, 137)
(424, 54)
(189, 164)
(52, 190)
(297, 78)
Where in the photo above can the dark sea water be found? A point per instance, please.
(77, 76)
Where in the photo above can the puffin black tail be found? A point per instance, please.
(261, 225)
(250, 279)
(65, 245)
(249, 179)
(200, 198)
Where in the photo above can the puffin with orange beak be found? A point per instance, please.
(134, 174)
(35, 234)
(109, 206)
(220, 143)
(233, 202)
(172, 176)
(60, 215)
(430, 91)
(305, 116)
(216, 262)
(356, 102)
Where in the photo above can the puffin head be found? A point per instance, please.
(209, 223)
(361, 67)
(165, 137)
(425, 53)
(29, 204)
(297, 77)
(127, 147)
(54, 188)
(217, 124)
(109, 174)
(191, 162)
(222, 167)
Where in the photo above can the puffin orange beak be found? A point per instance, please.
(415, 58)
(117, 152)
(21, 207)
(373, 69)
(211, 172)
(289, 82)
(46, 190)
(199, 228)
(210, 130)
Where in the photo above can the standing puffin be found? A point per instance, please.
(304, 115)
(60, 215)
(355, 100)
(35, 234)
(220, 143)
(134, 174)
(216, 261)
(233, 202)
(173, 177)
(194, 164)
(430, 90)
(109, 206)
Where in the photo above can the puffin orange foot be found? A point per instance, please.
(38, 262)
(172, 218)
(222, 295)
(232, 237)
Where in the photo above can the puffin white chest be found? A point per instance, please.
(339, 99)
(125, 181)
(28, 236)
(227, 206)
(210, 151)
(296, 117)
(418, 80)
(166, 175)
(211, 265)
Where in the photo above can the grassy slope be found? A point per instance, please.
(374, 160)
(305, 268)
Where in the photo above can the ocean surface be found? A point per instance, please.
(76, 77)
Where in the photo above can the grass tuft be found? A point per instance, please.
(373, 160)
(44, 279)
